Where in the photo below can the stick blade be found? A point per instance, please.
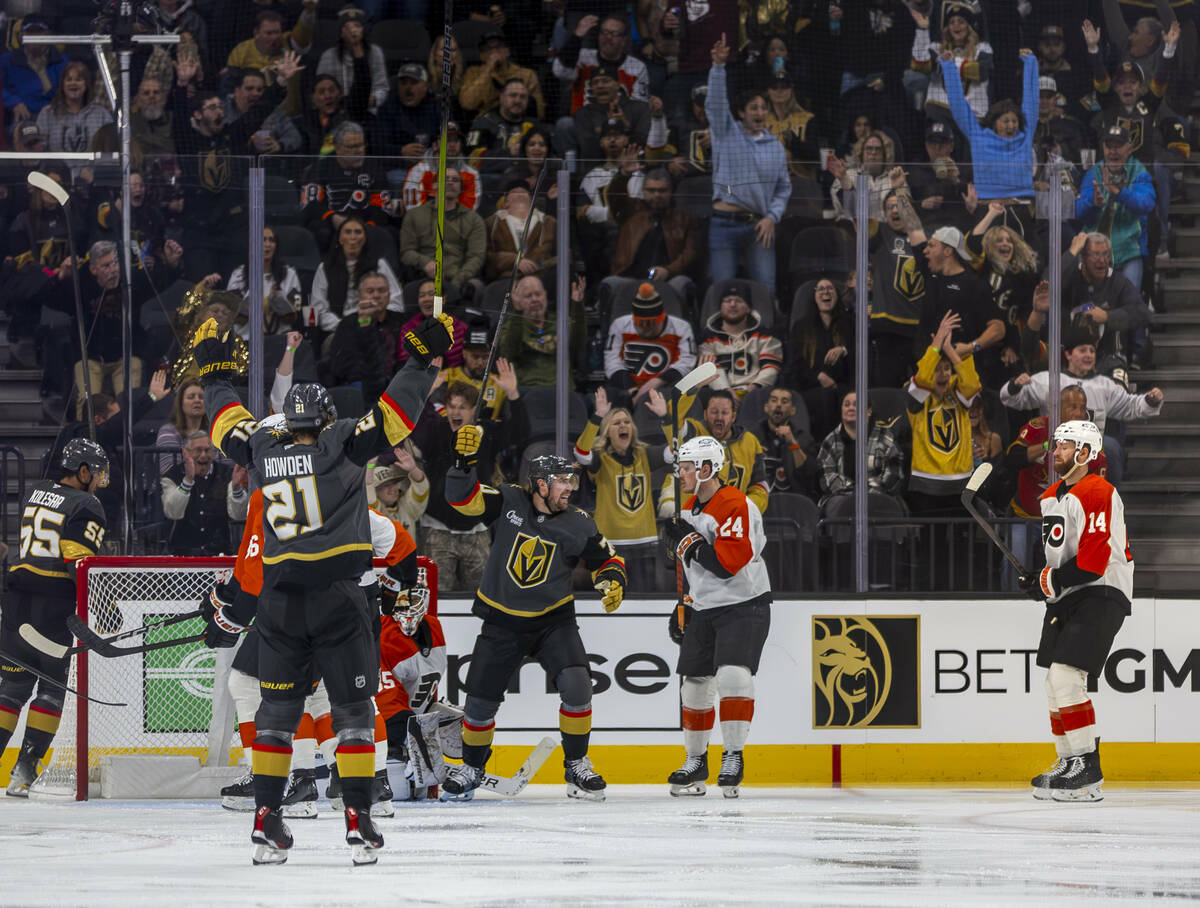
(41, 642)
(979, 477)
(697, 376)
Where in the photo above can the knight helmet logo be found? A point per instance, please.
(529, 561)
(865, 672)
(631, 492)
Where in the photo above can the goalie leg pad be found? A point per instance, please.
(427, 765)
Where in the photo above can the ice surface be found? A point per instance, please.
(875, 846)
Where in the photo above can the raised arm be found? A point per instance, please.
(716, 104)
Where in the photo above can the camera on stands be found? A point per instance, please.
(124, 16)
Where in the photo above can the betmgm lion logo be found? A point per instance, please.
(530, 559)
(866, 672)
(631, 492)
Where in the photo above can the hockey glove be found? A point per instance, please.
(611, 584)
(220, 629)
(213, 353)
(430, 339)
(682, 611)
(682, 541)
(466, 446)
(1039, 586)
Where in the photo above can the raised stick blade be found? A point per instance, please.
(40, 642)
(697, 376)
(41, 181)
(979, 477)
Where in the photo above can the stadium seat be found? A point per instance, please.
(297, 247)
(619, 292)
(282, 200)
(694, 196)
(402, 41)
(384, 244)
(760, 301)
(467, 33)
(539, 402)
(818, 251)
(792, 526)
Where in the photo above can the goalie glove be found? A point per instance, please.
(610, 582)
(213, 353)
(682, 541)
(221, 629)
(1042, 585)
(467, 440)
(430, 339)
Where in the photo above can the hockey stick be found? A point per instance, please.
(978, 478)
(44, 677)
(702, 373)
(512, 786)
(93, 641)
(446, 100)
(39, 641)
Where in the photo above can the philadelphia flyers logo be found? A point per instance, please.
(644, 358)
(1054, 530)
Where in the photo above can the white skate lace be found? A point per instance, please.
(1075, 768)
(1058, 767)
(731, 763)
(691, 765)
(581, 769)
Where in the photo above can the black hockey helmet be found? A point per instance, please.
(308, 406)
(79, 452)
(551, 466)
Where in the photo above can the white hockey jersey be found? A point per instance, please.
(1086, 522)
(734, 528)
(411, 667)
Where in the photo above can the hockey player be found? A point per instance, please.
(312, 615)
(527, 606)
(720, 540)
(61, 522)
(1087, 584)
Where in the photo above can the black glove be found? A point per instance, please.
(430, 339)
(674, 628)
(682, 540)
(213, 353)
(1040, 586)
(220, 630)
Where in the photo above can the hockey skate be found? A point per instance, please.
(240, 795)
(271, 837)
(461, 782)
(20, 779)
(732, 771)
(300, 802)
(1080, 780)
(362, 837)
(1041, 782)
(333, 790)
(583, 782)
(690, 778)
(381, 796)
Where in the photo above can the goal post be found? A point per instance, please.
(176, 738)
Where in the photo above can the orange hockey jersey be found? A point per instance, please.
(410, 667)
(1086, 522)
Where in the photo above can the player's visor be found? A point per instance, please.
(569, 479)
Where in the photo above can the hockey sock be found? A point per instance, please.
(1079, 727)
(1060, 737)
(326, 739)
(304, 748)
(477, 741)
(575, 724)
(246, 698)
(41, 724)
(697, 695)
(8, 724)
(736, 687)
(271, 763)
(381, 742)
(356, 766)
(1066, 689)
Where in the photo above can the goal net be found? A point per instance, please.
(176, 736)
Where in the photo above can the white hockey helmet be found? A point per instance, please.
(703, 449)
(1082, 432)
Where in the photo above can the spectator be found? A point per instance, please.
(733, 338)
(1053, 63)
(1001, 142)
(282, 293)
(362, 352)
(750, 181)
(401, 491)
(495, 138)
(477, 345)
(985, 444)
(39, 234)
(794, 127)
(529, 338)
(504, 229)
(407, 122)
(620, 467)
(335, 285)
(147, 226)
(1106, 398)
(789, 451)
(1010, 267)
(1115, 199)
(30, 73)
(961, 43)
(200, 304)
(1054, 127)
(277, 134)
(458, 543)
(453, 356)
(322, 116)
(597, 230)
(180, 17)
(72, 118)
(532, 156)
(575, 63)
(463, 240)
(882, 178)
(201, 496)
(150, 124)
(693, 139)
(1151, 49)
(655, 239)
(743, 451)
(899, 288)
(187, 418)
(939, 185)
(647, 350)
(420, 184)
(606, 108)
(341, 60)
(346, 183)
(837, 457)
(1029, 456)
(820, 363)
(270, 44)
(940, 398)
(483, 82)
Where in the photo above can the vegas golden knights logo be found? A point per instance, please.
(631, 492)
(214, 171)
(1134, 127)
(942, 423)
(908, 281)
(736, 475)
(866, 672)
(529, 561)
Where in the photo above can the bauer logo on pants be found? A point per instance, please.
(866, 671)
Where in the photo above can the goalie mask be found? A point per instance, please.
(1082, 432)
(701, 450)
(410, 614)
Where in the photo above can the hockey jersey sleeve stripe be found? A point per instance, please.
(396, 423)
(472, 505)
(41, 572)
(227, 419)
(317, 556)
(73, 551)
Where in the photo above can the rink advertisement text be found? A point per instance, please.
(858, 672)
